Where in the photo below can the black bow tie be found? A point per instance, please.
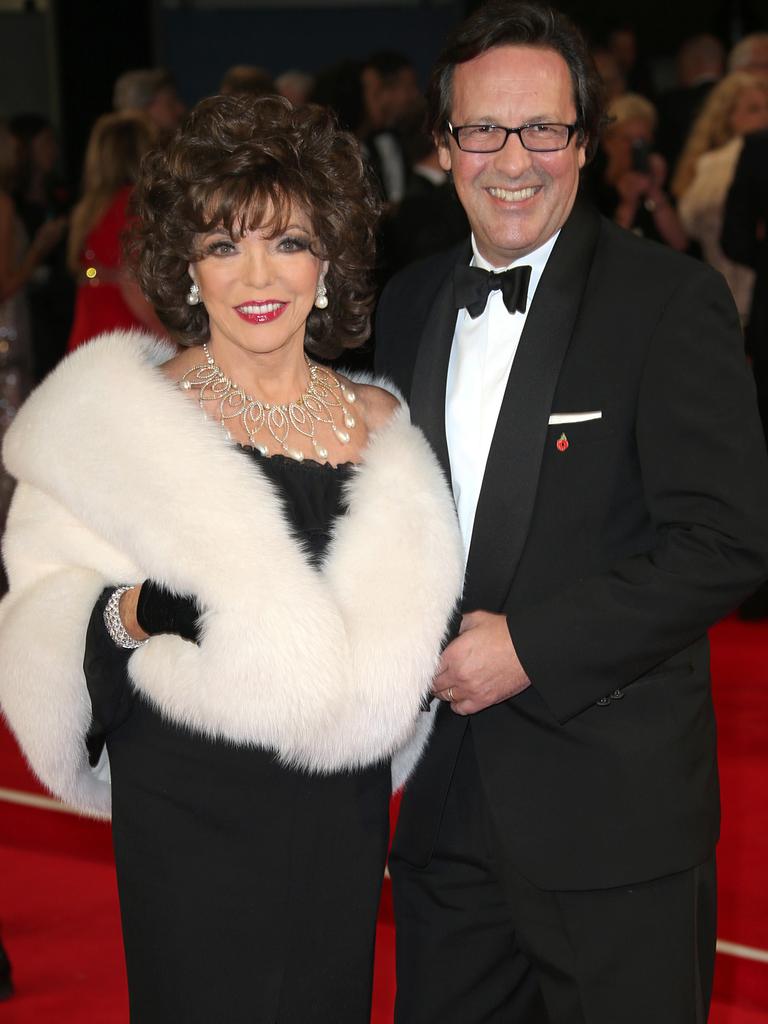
(473, 285)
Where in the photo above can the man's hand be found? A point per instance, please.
(480, 667)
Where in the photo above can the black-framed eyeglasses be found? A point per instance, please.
(490, 138)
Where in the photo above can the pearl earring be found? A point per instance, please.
(321, 298)
(193, 295)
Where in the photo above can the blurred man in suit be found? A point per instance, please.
(700, 63)
(745, 240)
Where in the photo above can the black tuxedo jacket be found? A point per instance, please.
(745, 209)
(609, 558)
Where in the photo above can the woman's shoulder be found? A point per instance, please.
(376, 404)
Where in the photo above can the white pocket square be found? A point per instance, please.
(573, 417)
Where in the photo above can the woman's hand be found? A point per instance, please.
(657, 166)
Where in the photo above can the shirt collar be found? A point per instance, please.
(536, 259)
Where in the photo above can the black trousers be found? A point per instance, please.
(479, 944)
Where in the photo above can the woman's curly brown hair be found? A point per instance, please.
(236, 161)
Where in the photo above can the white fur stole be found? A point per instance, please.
(121, 479)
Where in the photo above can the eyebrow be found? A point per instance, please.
(531, 119)
(221, 230)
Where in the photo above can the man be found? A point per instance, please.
(700, 64)
(151, 90)
(429, 217)
(390, 91)
(248, 80)
(744, 240)
(750, 54)
(554, 859)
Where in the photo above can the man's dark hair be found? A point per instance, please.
(26, 127)
(519, 23)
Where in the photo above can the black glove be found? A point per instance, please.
(106, 676)
(161, 611)
(106, 665)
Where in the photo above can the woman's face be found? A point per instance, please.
(258, 290)
(750, 114)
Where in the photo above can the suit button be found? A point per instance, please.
(617, 695)
(603, 702)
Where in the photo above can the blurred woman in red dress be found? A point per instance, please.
(108, 296)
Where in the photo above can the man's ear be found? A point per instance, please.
(443, 150)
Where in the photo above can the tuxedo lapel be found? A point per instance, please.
(514, 460)
(431, 369)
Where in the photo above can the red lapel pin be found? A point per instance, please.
(562, 443)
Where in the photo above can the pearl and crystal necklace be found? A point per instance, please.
(324, 395)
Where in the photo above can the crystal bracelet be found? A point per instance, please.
(117, 631)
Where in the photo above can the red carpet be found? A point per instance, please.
(740, 673)
(58, 904)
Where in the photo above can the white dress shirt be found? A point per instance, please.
(481, 357)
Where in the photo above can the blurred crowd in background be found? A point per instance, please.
(663, 169)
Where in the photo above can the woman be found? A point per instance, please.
(736, 106)
(19, 261)
(628, 177)
(41, 195)
(108, 297)
(317, 543)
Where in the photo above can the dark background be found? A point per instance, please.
(61, 58)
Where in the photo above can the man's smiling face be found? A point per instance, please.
(515, 199)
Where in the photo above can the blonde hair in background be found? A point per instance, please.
(712, 128)
(115, 148)
(631, 106)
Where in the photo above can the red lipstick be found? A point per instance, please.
(262, 312)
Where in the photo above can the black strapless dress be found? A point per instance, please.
(248, 891)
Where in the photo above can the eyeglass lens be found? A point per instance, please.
(486, 138)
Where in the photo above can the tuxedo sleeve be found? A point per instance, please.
(704, 473)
